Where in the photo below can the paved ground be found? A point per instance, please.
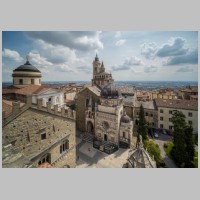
(160, 141)
(89, 157)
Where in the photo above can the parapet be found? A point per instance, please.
(63, 112)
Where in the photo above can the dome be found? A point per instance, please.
(26, 67)
(110, 92)
(125, 118)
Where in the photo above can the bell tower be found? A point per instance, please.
(96, 66)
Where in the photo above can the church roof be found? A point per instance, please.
(110, 92)
(26, 67)
(139, 158)
(95, 90)
(125, 118)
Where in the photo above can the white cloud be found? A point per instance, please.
(133, 60)
(120, 42)
(78, 40)
(150, 69)
(148, 50)
(128, 63)
(91, 43)
(185, 69)
(64, 68)
(55, 53)
(174, 47)
(12, 55)
(38, 60)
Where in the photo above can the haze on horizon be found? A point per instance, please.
(129, 56)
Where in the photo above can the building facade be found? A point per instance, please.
(100, 77)
(165, 110)
(33, 135)
(150, 112)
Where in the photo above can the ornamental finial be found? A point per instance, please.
(27, 58)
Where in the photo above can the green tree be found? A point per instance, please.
(179, 151)
(154, 151)
(142, 125)
(189, 145)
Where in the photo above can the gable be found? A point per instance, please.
(50, 91)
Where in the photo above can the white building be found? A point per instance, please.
(54, 96)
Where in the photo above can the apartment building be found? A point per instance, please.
(166, 107)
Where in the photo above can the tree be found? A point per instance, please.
(179, 151)
(142, 125)
(189, 145)
(154, 151)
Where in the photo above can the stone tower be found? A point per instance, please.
(96, 66)
(100, 77)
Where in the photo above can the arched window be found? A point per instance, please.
(46, 158)
(64, 146)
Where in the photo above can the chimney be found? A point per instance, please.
(39, 103)
(49, 106)
(16, 107)
(62, 111)
(28, 99)
(55, 109)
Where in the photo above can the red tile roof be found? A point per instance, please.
(45, 165)
(32, 89)
(6, 107)
(177, 104)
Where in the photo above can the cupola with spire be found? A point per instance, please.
(26, 74)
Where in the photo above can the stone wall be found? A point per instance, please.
(129, 111)
(25, 132)
(81, 107)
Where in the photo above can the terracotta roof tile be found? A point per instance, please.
(45, 165)
(7, 108)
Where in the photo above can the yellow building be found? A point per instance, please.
(166, 107)
(26, 75)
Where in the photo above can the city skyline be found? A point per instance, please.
(129, 56)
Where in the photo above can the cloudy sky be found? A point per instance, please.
(131, 56)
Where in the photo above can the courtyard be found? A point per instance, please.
(89, 157)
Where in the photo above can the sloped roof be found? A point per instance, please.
(31, 89)
(146, 104)
(7, 106)
(177, 104)
(139, 158)
(95, 90)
